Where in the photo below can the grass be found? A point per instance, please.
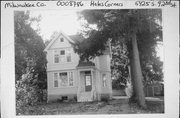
(110, 107)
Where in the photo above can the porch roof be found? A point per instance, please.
(85, 64)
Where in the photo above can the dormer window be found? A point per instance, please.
(61, 39)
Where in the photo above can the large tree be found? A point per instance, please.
(30, 60)
(128, 27)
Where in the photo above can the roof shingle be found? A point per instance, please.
(76, 38)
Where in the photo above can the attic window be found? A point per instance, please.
(61, 39)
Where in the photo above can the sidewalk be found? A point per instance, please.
(155, 99)
(120, 97)
(147, 98)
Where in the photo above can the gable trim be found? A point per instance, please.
(56, 37)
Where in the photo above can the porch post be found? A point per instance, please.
(93, 86)
(78, 92)
(92, 80)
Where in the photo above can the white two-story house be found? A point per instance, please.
(70, 78)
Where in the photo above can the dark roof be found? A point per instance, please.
(76, 38)
(84, 64)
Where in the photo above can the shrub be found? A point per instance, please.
(60, 100)
(105, 97)
(27, 94)
(75, 98)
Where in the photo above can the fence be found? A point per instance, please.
(154, 90)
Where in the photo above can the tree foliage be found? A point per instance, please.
(116, 25)
(119, 65)
(124, 27)
(30, 60)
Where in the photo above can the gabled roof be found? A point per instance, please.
(56, 37)
(76, 38)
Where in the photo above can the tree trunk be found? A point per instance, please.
(133, 97)
(136, 73)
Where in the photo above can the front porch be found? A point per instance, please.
(86, 84)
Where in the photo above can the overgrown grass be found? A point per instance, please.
(111, 107)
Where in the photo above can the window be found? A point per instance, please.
(63, 79)
(64, 97)
(61, 56)
(104, 80)
(88, 80)
(61, 39)
(62, 52)
(56, 57)
(55, 79)
(68, 55)
(70, 78)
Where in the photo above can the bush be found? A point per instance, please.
(118, 85)
(27, 94)
(60, 100)
(105, 97)
(75, 98)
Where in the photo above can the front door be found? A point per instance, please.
(88, 81)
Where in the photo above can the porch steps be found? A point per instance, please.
(85, 97)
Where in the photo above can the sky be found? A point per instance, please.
(58, 20)
(66, 21)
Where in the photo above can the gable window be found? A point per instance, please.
(63, 55)
(61, 39)
(104, 79)
(63, 79)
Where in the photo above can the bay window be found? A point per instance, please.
(63, 79)
(70, 78)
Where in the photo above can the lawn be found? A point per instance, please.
(119, 106)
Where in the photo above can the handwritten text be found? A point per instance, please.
(25, 4)
(70, 3)
(106, 4)
(160, 3)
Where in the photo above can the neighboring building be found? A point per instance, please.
(154, 89)
(70, 78)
